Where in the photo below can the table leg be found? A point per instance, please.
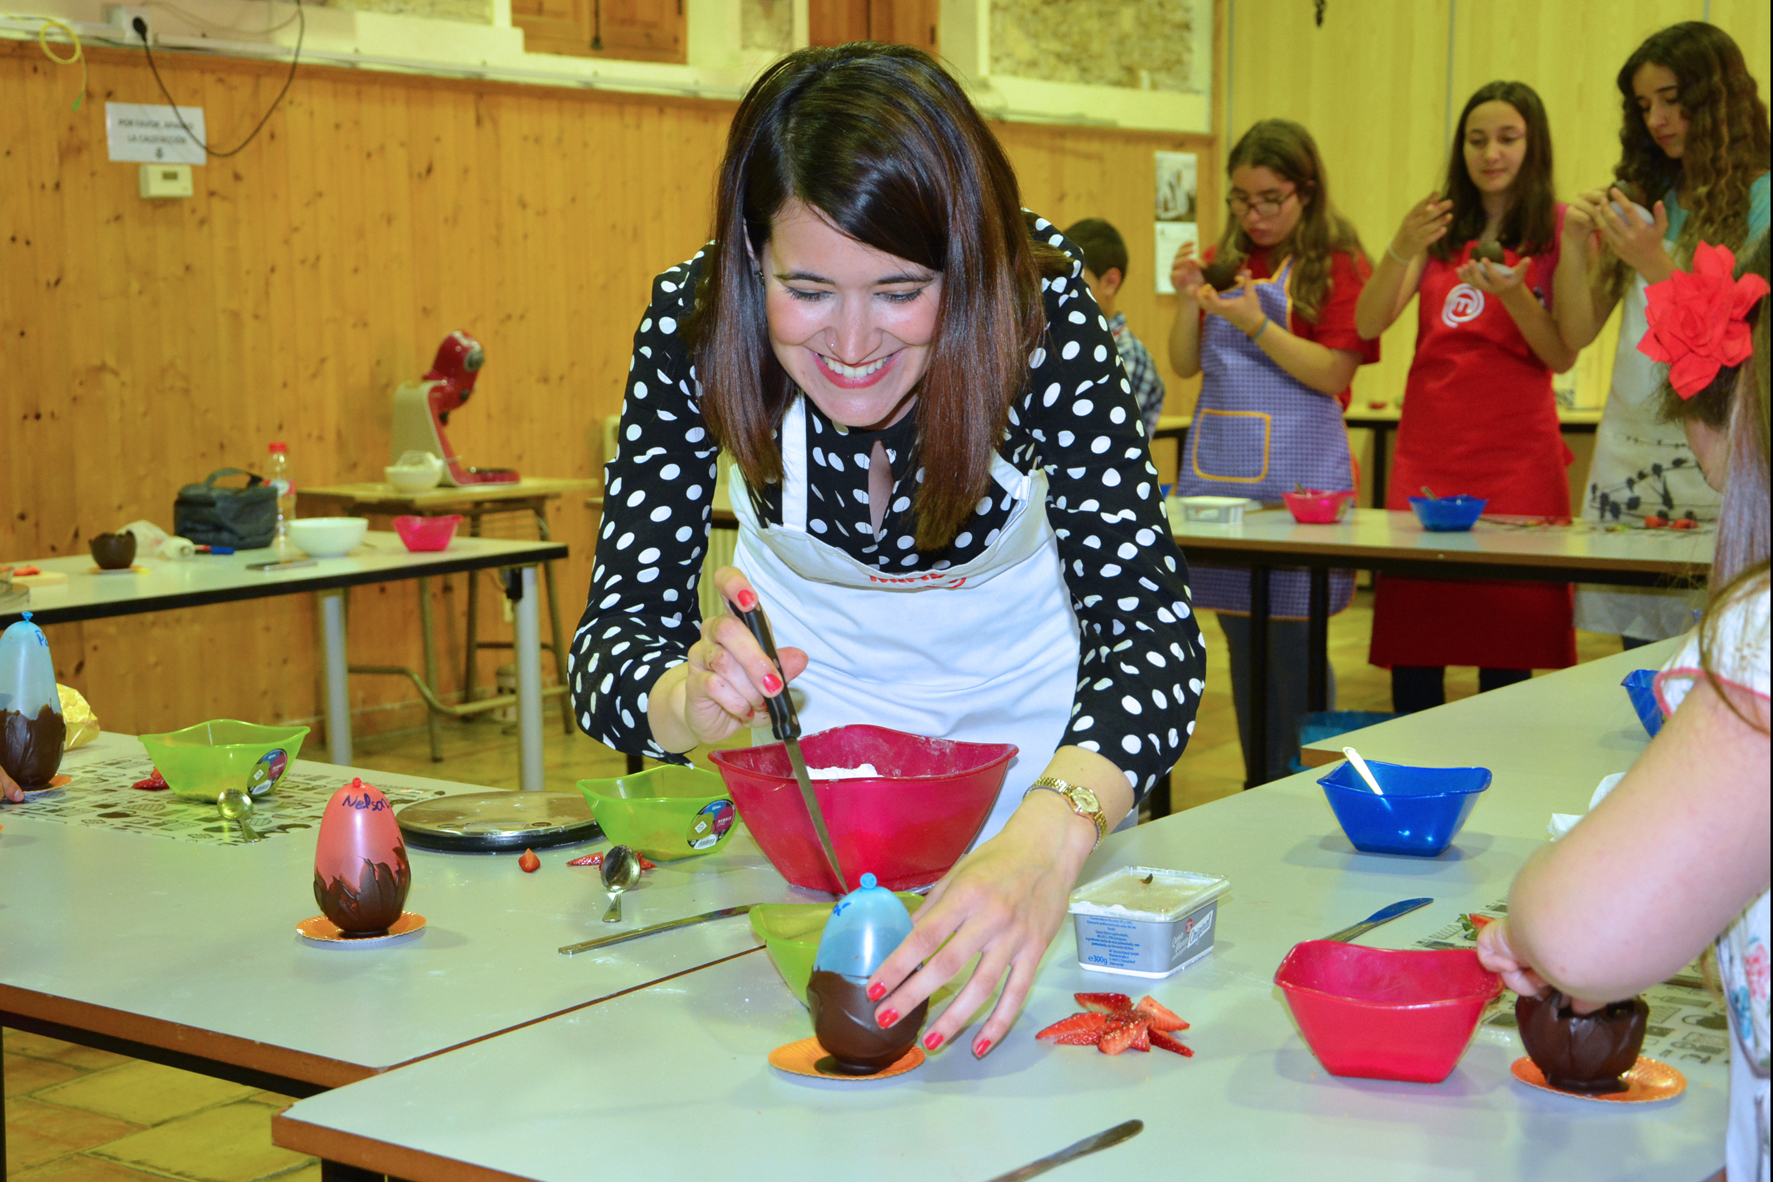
(1379, 436)
(338, 698)
(1317, 642)
(559, 643)
(1256, 755)
(1160, 797)
(473, 648)
(432, 722)
(529, 682)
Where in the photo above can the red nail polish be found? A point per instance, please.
(876, 991)
(980, 1047)
(887, 1018)
(772, 684)
(747, 601)
(932, 1041)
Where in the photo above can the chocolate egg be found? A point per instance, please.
(32, 728)
(361, 873)
(843, 1022)
(1585, 1053)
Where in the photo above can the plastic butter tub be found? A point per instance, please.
(1128, 925)
(1214, 510)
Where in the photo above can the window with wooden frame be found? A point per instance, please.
(901, 22)
(636, 30)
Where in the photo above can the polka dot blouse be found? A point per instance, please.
(1140, 676)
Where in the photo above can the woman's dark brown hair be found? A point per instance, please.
(1530, 225)
(883, 143)
(1727, 142)
(1287, 150)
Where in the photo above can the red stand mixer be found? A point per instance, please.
(422, 409)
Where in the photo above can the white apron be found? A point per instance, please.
(1632, 437)
(983, 652)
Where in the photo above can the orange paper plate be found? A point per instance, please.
(799, 1058)
(324, 931)
(1648, 1080)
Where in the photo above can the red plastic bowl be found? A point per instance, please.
(1377, 1013)
(427, 533)
(906, 828)
(1317, 507)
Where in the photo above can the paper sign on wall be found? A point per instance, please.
(1177, 215)
(141, 133)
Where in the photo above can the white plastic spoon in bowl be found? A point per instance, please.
(1360, 765)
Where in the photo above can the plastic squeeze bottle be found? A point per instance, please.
(31, 723)
(280, 477)
(864, 928)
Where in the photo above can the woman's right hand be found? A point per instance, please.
(1424, 225)
(729, 675)
(1185, 273)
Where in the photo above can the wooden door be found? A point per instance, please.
(555, 26)
(641, 30)
(901, 22)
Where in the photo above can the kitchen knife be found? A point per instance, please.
(1101, 1140)
(649, 929)
(1383, 915)
(785, 726)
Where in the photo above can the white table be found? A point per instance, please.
(382, 558)
(671, 1081)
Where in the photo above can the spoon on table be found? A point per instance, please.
(1360, 765)
(620, 870)
(1429, 493)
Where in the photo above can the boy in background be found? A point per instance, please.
(1105, 269)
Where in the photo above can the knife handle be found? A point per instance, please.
(784, 721)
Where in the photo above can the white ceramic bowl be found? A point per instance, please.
(327, 537)
(412, 480)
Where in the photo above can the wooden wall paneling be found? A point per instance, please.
(1750, 22)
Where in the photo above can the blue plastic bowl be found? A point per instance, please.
(1641, 688)
(1421, 811)
(1448, 514)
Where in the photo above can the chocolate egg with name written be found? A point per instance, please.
(361, 872)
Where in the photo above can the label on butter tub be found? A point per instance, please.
(1144, 947)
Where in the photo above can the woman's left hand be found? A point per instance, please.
(1497, 279)
(1636, 241)
(1003, 902)
(1241, 305)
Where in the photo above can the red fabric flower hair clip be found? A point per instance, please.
(1698, 320)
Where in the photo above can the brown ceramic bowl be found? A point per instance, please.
(1584, 1053)
(113, 551)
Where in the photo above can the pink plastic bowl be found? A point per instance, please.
(427, 533)
(1316, 507)
(1383, 1014)
(905, 828)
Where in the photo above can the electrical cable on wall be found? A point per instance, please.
(79, 55)
(141, 28)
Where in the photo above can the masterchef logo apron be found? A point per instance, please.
(984, 652)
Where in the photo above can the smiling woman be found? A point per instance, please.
(945, 497)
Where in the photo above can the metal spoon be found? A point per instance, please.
(1360, 765)
(621, 870)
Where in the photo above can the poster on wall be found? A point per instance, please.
(144, 133)
(1178, 219)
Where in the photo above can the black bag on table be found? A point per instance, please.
(243, 518)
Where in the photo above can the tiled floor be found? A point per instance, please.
(76, 1115)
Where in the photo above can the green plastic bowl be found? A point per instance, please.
(202, 761)
(666, 812)
(790, 933)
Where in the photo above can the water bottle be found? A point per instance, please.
(279, 476)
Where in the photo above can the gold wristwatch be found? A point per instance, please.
(1083, 802)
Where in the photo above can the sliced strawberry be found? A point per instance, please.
(1164, 1042)
(1158, 1015)
(1078, 1023)
(1142, 1036)
(1104, 1003)
(1079, 1038)
(1118, 1038)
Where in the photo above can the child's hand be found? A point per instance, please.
(1636, 241)
(1241, 305)
(1495, 954)
(1185, 273)
(1425, 224)
(1496, 279)
(9, 790)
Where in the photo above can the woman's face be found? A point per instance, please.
(852, 325)
(1264, 203)
(1708, 444)
(1658, 93)
(1495, 145)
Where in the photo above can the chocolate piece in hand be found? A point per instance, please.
(1491, 251)
(843, 1021)
(1586, 1053)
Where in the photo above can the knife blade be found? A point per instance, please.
(649, 929)
(1383, 915)
(785, 726)
(1101, 1140)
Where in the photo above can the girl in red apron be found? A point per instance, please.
(1276, 352)
(1479, 416)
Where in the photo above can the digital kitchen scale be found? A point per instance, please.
(493, 822)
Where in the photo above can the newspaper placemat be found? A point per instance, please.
(1688, 1023)
(101, 794)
